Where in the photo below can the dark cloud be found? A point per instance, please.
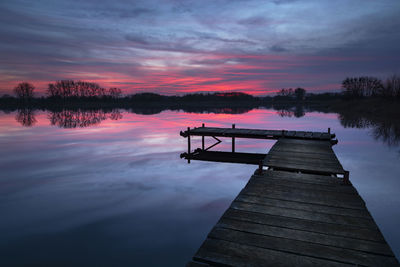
(278, 48)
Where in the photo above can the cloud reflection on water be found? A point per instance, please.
(120, 188)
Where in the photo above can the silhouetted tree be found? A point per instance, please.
(24, 90)
(300, 93)
(362, 86)
(286, 92)
(69, 88)
(392, 86)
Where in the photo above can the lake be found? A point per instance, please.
(109, 188)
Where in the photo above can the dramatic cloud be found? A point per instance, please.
(186, 46)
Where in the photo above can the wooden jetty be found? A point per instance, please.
(298, 209)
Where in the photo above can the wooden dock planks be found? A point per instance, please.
(256, 133)
(279, 219)
(310, 156)
(296, 213)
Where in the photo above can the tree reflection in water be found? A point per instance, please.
(81, 118)
(385, 129)
(296, 111)
(26, 117)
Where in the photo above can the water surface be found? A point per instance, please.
(108, 188)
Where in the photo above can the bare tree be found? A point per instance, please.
(286, 92)
(392, 86)
(24, 90)
(362, 86)
(300, 93)
(70, 88)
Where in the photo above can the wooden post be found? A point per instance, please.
(202, 139)
(283, 133)
(188, 131)
(260, 168)
(346, 179)
(329, 130)
(233, 140)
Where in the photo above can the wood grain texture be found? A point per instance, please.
(293, 219)
(297, 213)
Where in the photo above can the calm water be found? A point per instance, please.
(110, 188)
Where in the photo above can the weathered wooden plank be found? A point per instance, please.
(265, 200)
(302, 248)
(302, 160)
(290, 196)
(306, 192)
(253, 133)
(303, 163)
(308, 134)
(306, 236)
(300, 134)
(334, 187)
(302, 143)
(225, 253)
(305, 225)
(304, 157)
(309, 155)
(303, 149)
(303, 177)
(302, 167)
(317, 135)
(305, 215)
(305, 143)
(285, 185)
(290, 133)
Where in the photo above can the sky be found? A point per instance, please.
(178, 47)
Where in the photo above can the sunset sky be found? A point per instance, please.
(177, 47)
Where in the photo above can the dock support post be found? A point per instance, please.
(233, 140)
(346, 179)
(259, 171)
(202, 140)
(329, 130)
(188, 131)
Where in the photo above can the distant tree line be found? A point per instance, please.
(296, 94)
(365, 86)
(82, 93)
(70, 88)
(67, 89)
